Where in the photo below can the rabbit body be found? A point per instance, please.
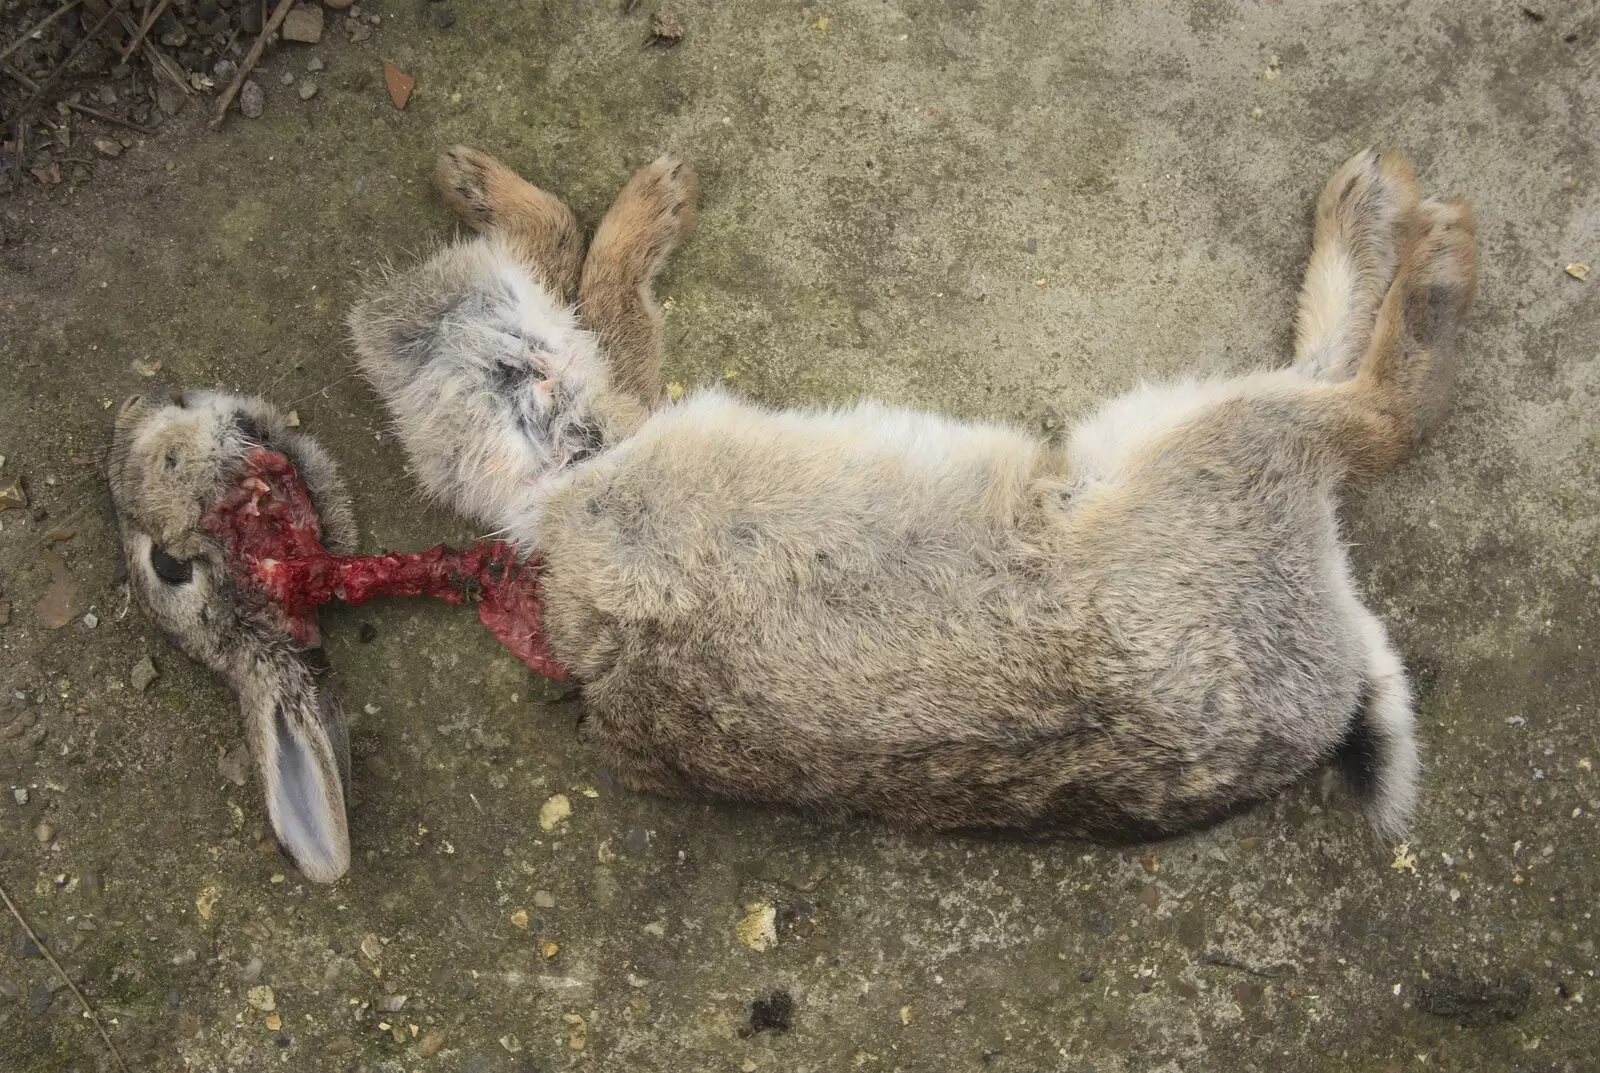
(954, 625)
(947, 624)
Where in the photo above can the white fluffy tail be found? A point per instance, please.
(1379, 753)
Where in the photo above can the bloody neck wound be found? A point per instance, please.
(272, 535)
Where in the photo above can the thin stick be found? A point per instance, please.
(159, 61)
(27, 83)
(87, 1009)
(144, 28)
(95, 113)
(46, 21)
(278, 15)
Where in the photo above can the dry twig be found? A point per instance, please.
(56, 965)
(160, 62)
(144, 28)
(95, 113)
(250, 60)
(41, 24)
(26, 82)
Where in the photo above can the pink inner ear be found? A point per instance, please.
(272, 535)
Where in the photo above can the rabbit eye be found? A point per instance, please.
(172, 571)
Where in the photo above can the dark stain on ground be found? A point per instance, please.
(1476, 1002)
(770, 1014)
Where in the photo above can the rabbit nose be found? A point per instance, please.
(180, 399)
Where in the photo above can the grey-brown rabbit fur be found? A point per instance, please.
(171, 460)
(944, 624)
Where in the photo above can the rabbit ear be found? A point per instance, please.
(297, 734)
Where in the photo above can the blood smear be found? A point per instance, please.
(270, 529)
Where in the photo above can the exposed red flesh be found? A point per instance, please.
(270, 529)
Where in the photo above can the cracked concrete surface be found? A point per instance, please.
(980, 207)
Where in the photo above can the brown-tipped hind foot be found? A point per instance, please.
(489, 197)
(1447, 267)
(1362, 221)
(1364, 205)
(1409, 373)
(652, 215)
(1444, 271)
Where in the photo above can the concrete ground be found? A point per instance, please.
(979, 207)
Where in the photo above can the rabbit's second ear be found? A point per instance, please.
(297, 734)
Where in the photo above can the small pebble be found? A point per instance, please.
(252, 100)
(666, 28)
(553, 811)
(144, 672)
(303, 24)
(287, 78)
(308, 89)
(314, 63)
(544, 899)
(20, 795)
(261, 998)
(108, 147)
(91, 620)
(234, 765)
(44, 832)
(392, 1003)
(252, 971)
(39, 1001)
